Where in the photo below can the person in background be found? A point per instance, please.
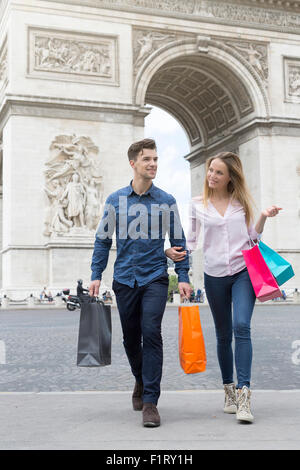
(80, 289)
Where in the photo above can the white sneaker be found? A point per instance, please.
(230, 399)
(243, 405)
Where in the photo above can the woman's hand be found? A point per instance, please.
(175, 254)
(271, 211)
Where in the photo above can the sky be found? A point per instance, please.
(173, 175)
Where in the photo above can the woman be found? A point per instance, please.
(225, 214)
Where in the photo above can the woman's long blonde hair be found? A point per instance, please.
(237, 186)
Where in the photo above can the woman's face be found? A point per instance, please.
(218, 175)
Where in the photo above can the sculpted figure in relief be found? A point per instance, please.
(72, 56)
(77, 159)
(256, 55)
(3, 67)
(76, 197)
(148, 43)
(73, 186)
(94, 205)
(55, 217)
(294, 81)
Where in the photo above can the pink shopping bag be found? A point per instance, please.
(263, 281)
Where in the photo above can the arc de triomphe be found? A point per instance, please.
(75, 78)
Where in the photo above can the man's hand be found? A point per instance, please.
(175, 253)
(94, 288)
(185, 289)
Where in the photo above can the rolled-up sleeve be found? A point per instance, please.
(177, 238)
(103, 241)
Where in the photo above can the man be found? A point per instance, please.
(141, 213)
(81, 291)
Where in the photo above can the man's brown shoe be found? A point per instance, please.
(151, 418)
(137, 396)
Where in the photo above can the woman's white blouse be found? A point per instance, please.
(224, 238)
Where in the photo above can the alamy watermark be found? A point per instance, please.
(134, 221)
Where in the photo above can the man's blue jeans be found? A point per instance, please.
(231, 300)
(141, 311)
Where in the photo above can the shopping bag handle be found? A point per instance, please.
(252, 243)
(185, 301)
(98, 300)
(92, 299)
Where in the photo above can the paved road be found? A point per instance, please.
(40, 353)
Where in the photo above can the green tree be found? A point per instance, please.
(173, 286)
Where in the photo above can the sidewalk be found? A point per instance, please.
(105, 420)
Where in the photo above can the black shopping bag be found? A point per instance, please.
(94, 337)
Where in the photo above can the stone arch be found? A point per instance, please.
(209, 87)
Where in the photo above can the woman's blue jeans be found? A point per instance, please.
(231, 300)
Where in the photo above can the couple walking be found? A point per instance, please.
(141, 214)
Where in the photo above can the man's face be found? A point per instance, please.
(145, 164)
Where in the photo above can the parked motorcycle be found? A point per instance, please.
(72, 301)
(64, 295)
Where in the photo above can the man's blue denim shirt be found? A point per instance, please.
(141, 223)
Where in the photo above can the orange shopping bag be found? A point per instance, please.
(192, 353)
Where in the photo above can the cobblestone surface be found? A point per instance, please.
(41, 352)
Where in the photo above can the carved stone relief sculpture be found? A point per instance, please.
(145, 42)
(280, 15)
(294, 82)
(3, 66)
(235, 13)
(255, 54)
(292, 79)
(73, 187)
(61, 55)
(298, 173)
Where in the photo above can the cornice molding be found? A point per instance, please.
(50, 107)
(275, 125)
(274, 15)
(292, 5)
(181, 6)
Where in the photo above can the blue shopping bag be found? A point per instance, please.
(280, 268)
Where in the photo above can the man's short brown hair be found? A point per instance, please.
(137, 147)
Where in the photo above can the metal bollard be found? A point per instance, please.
(30, 301)
(5, 302)
(296, 297)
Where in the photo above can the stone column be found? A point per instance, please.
(270, 161)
